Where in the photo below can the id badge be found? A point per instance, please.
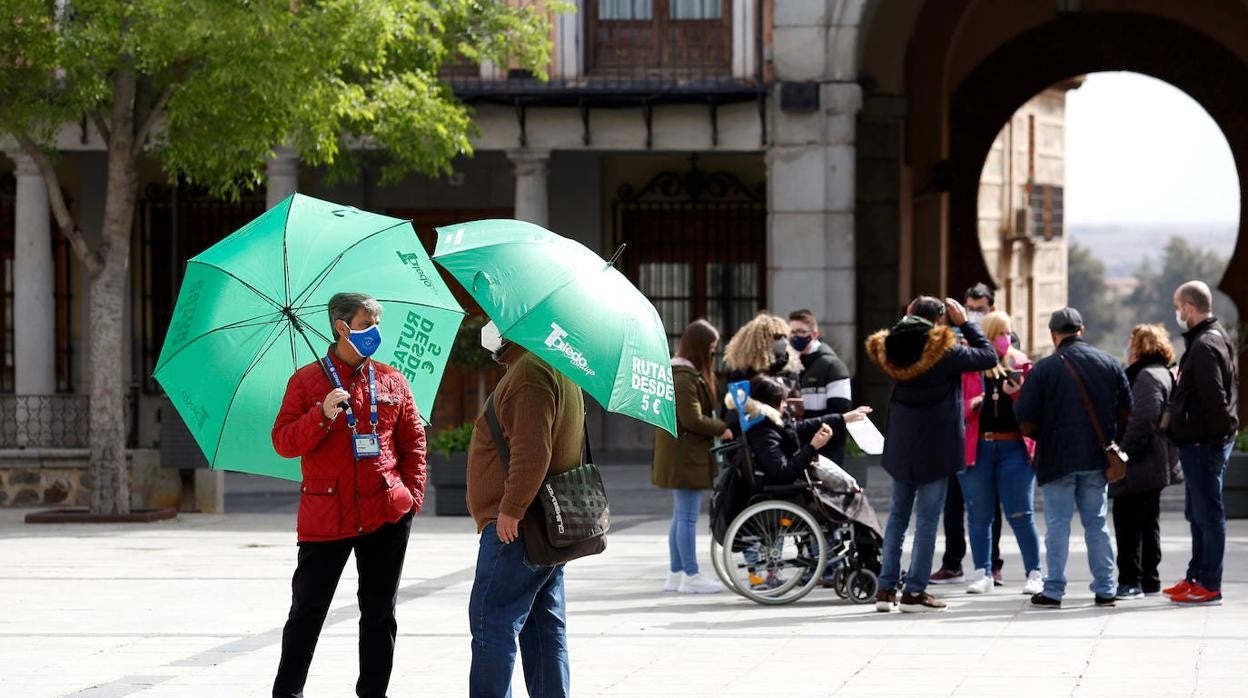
(366, 445)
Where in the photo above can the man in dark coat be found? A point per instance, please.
(1070, 456)
(825, 380)
(1204, 419)
(925, 433)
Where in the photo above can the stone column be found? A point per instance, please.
(282, 171)
(532, 203)
(811, 170)
(34, 308)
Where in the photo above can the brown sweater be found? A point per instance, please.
(542, 414)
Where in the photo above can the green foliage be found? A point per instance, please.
(1086, 290)
(453, 440)
(1241, 442)
(226, 82)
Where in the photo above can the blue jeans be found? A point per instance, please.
(682, 535)
(1001, 471)
(1085, 490)
(930, 499)
(1203, 469)
(512, 598)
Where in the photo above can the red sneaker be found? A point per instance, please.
(1199, 596)
(1180, 589)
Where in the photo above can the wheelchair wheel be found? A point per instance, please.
(862, 585)
(717, 562)
(839, 578)
(774, 553)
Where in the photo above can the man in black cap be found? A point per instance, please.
(1057, 407)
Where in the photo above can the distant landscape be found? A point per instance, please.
(1121, 247)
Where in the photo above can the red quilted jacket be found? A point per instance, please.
(342, 497)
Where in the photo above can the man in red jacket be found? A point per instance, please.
(353, 424)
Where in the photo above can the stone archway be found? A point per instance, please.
(1183, 57)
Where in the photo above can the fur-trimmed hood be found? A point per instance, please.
(753, 408)
(910, 348)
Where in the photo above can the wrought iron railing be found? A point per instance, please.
(44, 421)
(663, 48)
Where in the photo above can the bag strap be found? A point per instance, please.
(1087, 402)
(504, 451)
(496, 433)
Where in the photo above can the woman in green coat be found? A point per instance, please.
(684, 464)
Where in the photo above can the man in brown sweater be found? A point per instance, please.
(542, 415)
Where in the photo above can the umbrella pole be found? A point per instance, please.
(298, 327)
(618, 251)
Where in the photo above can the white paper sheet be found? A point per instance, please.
(868, 438)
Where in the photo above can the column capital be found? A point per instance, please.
(25, 165)
(529, 159)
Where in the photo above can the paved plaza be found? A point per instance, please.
(194, 607)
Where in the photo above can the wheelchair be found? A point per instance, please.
(787, 540)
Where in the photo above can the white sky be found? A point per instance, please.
(1140, 150)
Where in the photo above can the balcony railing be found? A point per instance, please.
(44, 421)
(660, 48)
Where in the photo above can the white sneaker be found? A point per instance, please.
(981, 583)
(673, 581)
(697, 584)
(1034, 584)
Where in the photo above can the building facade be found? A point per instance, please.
(838, 155)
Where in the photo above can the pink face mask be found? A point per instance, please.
(1002, 344)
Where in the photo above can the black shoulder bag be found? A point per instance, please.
(569, 518)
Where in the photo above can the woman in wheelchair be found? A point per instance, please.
(783, 448)
(783, 452)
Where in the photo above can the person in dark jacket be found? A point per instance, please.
(925, 435)
(1153, 464)
(784, 447)
(1204, 419)
(683, 463)
(824, 382)
(1070, 457)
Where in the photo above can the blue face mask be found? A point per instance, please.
(366, 341)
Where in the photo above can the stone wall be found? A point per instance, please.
(60, 478)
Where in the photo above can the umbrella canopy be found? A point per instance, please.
(564, 303)
(253, 308)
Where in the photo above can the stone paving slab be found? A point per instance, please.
(194, 607)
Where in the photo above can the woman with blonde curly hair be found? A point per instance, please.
(761, 346)
(1154, 463)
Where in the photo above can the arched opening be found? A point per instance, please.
(1105, 192)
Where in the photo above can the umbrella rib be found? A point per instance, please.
(264, 349)
(320, 278)
(249, 322)
(232, 275)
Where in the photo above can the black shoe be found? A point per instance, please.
(1106, 602)
(1042, 601)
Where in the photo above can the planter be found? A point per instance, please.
(449, 476)
(1235, 486)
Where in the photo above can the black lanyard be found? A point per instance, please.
(372, 395)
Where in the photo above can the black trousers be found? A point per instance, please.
(955, 529)
(379, 561)
(1138, 534)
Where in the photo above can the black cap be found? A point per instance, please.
(1065, 321)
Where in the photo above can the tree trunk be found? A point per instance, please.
(111, 494)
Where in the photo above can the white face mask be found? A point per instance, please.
(975, 316)
(1178, 316)
(491, 340)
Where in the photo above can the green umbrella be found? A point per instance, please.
(559, 300)
(252, 310)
